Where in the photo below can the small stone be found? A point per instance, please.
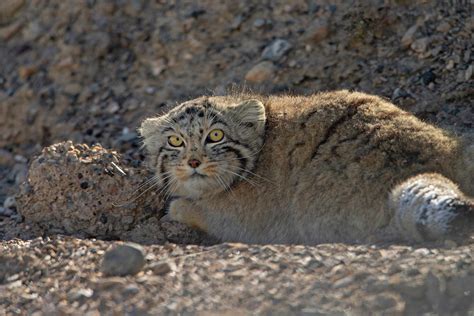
(113, 107)
(318, 31)
(6, 212)
(276, 50)
(409, 36)
(399, 93)
(158, 66)
(80, 294)
(10, 203)
(150, 90)
(420, 45)
(468, 74)
(258, 23)
(160, 268)
(428, 77)
(126, 259)
(131, 290)
(450, 64)
(98, 43)
(26, 72)
(263, 71)
(6, 157)
(237, 22)
(443, 27)
(73, 88)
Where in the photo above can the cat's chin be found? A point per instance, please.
(196, 187)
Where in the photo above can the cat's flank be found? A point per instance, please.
(332, 167)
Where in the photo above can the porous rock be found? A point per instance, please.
(80, 189)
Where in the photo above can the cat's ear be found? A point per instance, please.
(251, 112)
(150, 126)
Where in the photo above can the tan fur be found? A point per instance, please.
(326, 171)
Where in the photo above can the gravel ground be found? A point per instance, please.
(90, 71)
(63, 275)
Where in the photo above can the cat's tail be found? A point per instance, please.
(429, 207)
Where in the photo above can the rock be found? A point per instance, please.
(400, 93)
(443, 27)
(72, 88)
(10, 203)
(9, 9)
(261, 72)
(468, 74)
(318, 31)
(6, 157)
(26, 72)
(97, 43)
(113, 107)
(79, 189)
(428, 77)
(258, 23)
(160, 268)
(409, 36)
(420, 45)
(126, 259)
(276, 50)
(6, 212)
(80, 294)
(450, 64)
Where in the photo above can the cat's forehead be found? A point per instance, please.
(195, 115)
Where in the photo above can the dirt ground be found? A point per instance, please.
(90, 71)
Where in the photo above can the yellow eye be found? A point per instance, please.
(175, 141)
(215, 135)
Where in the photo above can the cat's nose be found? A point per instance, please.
(194, 163)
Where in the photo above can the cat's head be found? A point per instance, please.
(203, 146)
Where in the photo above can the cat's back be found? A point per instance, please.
(340, 130)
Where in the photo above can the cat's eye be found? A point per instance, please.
(215, 135)
(175, 141)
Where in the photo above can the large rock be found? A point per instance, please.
(81, 189)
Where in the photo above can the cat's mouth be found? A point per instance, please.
(196, 175)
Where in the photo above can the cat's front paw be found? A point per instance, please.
(186, 212)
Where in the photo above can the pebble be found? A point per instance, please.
(263, 71)
(98, 43)
(26, 72)
(6, 212)
(80, 294)
(428, 77)
(126, 259)
(6, 157)
(150, 90)
(113, 107)
(10, 203)
(318, 31)
(443, 27)
(450, 64)
(409, 36)
(258, 23)
(160, 268)
(276, 50)
(420, 45)
(468, 74)
(400, 93)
